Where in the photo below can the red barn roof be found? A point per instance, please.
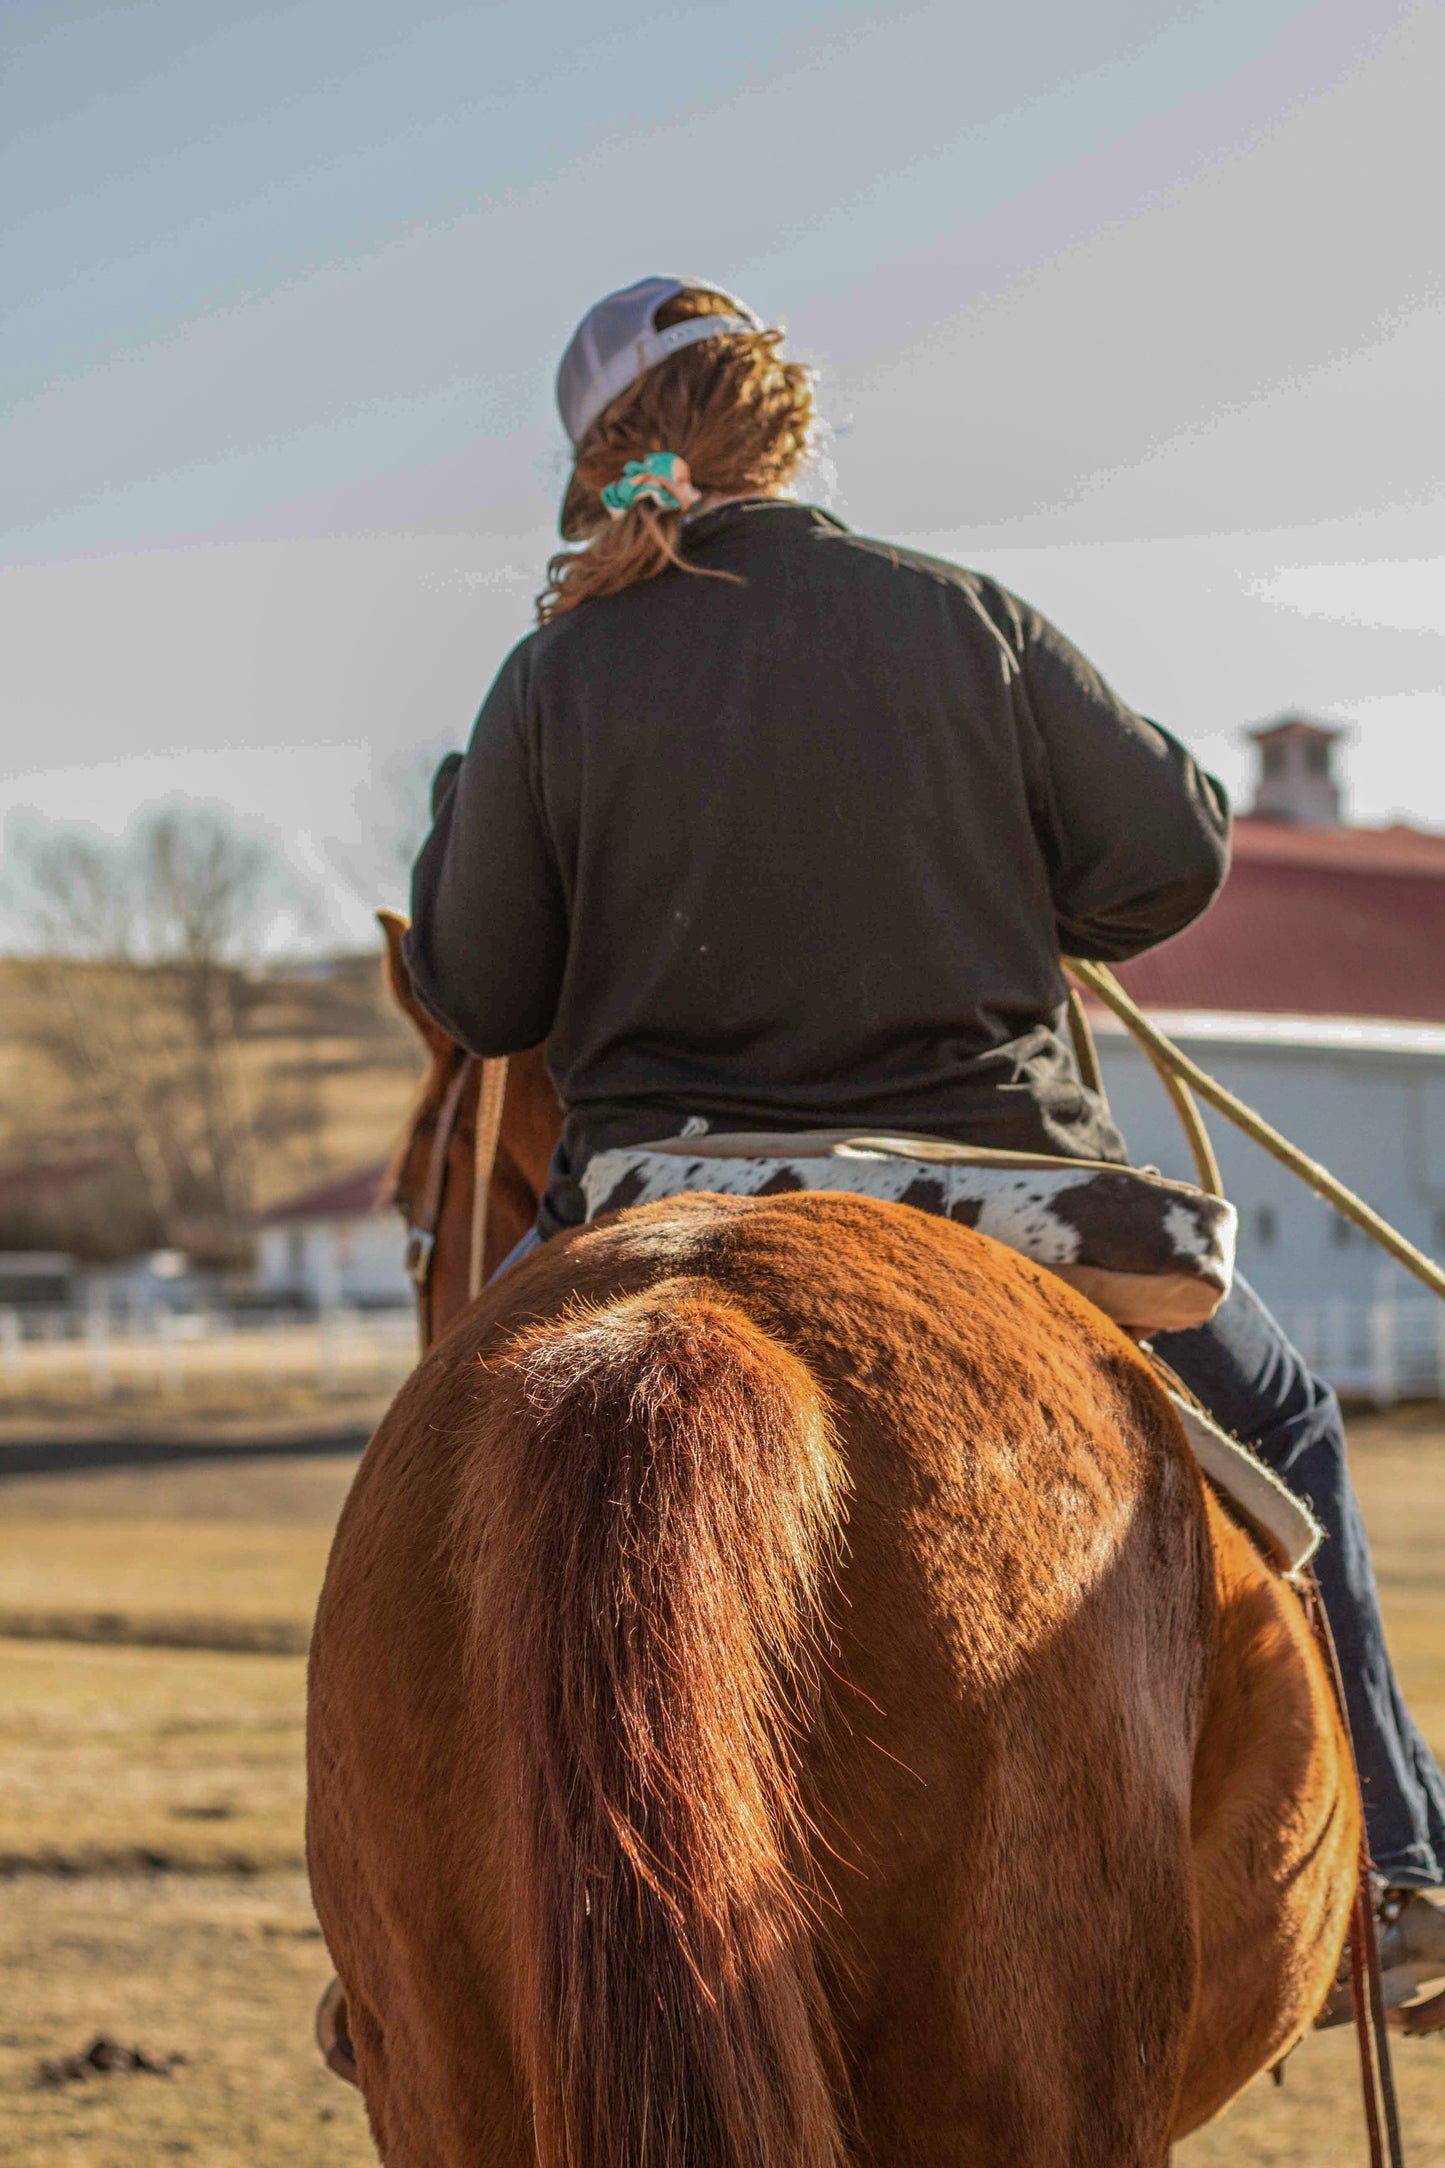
(1313, 922)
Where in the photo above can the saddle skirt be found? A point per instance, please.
(1157, 1256)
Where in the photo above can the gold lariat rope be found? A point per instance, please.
(491, 1096)
(1182, 1077)
(1206, 1166)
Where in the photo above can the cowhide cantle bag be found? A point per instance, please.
(1157, 1255)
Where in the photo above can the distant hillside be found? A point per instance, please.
(327, 1064)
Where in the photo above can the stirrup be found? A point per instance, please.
(1412, 1955)
(333, 2034)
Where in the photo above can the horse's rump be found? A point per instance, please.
(723, 1837)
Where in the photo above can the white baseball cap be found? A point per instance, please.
(618, 341)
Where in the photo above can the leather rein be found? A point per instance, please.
(421, 1225)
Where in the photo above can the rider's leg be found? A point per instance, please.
(1247, 1374)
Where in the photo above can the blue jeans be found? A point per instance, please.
(531, 1240)
(1253, 1382)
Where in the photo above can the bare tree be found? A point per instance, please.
(141, 979)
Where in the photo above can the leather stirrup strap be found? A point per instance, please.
(1377, 2075)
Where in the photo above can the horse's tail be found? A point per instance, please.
(666, 1505)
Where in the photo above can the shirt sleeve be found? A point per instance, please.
(488, 939)
(1135, 833)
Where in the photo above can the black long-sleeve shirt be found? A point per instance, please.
(802, 848)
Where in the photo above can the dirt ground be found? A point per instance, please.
(222, 1969)
(150, 1820)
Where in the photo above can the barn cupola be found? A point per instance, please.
(1296, 778)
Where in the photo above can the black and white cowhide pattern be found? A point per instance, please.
(1153, 1253)
(1061, 1212)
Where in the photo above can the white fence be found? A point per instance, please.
(102, 1354)
(1382, 1351)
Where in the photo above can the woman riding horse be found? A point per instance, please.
(770, 826)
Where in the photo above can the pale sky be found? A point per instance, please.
(1138, 307)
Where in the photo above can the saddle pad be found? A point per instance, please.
(1256, 1494)
(1156, 1256)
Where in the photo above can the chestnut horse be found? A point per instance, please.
(782, 1696)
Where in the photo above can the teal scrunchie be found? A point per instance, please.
(661, 477)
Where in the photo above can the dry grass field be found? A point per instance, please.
(281, 1370)
(150, 1821)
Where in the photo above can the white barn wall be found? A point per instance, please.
(1375, 1116)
